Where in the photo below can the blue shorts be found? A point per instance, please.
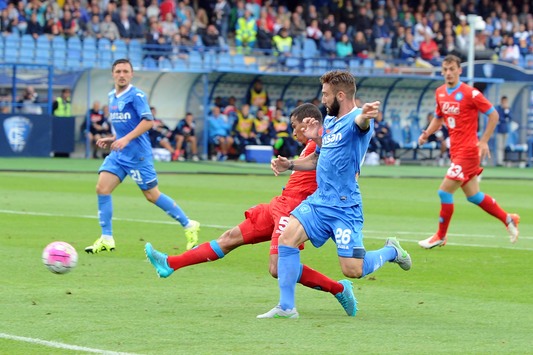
(141, 171)
(342, 224)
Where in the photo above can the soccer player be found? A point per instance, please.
(334, 210)
(265, 222)
(457, 106)
(131, 154)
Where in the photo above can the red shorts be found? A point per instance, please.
(464, 169)
(266, 221)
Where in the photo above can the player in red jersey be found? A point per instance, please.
(265, 222)
(457, 106)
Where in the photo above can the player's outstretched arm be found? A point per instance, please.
(142, 127)
(281, 164)
(483, 144)
(434, 126)
(370, 110)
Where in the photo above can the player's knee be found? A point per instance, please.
(352, 271)
(230, 240)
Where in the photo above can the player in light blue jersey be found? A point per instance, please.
(334, 210)
(131, 154)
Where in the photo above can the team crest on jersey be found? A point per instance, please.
(121, 105)
(304, 209)
(459, 96)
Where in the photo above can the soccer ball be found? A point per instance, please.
(60, 257)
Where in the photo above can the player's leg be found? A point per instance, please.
(489, 205)
(179, 145)
(108, 180)
(194, 147)
(446, 190)
(256, 228)
(146, 178)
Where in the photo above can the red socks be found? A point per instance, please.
(201, 254)
(313, 279)
(490, 206)
(445, 216)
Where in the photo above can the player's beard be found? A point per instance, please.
(333, 109)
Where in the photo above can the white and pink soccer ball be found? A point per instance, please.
(60, 257)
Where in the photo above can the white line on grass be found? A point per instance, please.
(54, 344)
(366, 231)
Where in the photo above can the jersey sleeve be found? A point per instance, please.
(140, 103)
(480, 101)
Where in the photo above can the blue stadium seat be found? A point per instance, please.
(59, 43)
(26, 55)
(149, 63)
(135, 53)
(309, 49)
(119, 49)
(89, 44)
(10, 54)
(74, 43)
(12, 40)
(105, 59)
(74, 59)
(104, 44)
(165, 64)
(43, 43)
(179, 64)
(196, 61)
(89, 58)
(27, 41)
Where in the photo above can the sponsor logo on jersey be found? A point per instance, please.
(331, 138)
(119, 116)
(450, 108)
(17, 130)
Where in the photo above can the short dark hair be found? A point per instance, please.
(306, 110)
(121, 61)
(450, 58)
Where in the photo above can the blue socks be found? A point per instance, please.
(172, 209)
(105, 213)
(376, 258)
(288, 275)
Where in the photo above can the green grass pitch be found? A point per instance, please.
(473, 296)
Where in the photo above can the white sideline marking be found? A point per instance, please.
(366, 232)
(55, 344)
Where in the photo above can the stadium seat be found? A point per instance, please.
(104, 59)
(26, 55)
(196, 61)
(59, 43)
(10, 54)
(165, 64)
(74, 59)
(309, 50)
(149, 63)
(89, 44)
(119, 49)
(74, 43)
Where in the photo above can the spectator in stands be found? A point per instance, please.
(257, 96)
(298, 27)
(169, 26)
(409, 50)
(165, 7)
(61, 107)
(34, 27)
(327, 45)
(263, 128)
(161, 135)
(348, 14)
(184, 134)
(243, 133)
(179, 50)
(138, 26)
(67, 26)
(124, 24)
(245, 33)
(99, 127)
(282, 45)
(108, 29)
(201, 21)
(363, 22)
(502, 129)
(344, 47)
(153, 9)
(29, 102)
(264, 36)
(212, 39)
(221, 15)
(360, 46)
(421, 28)
(381, 35)
(219, 131)
(509, 52)
(429, 51)
(230, 110)
(313, 32)
(94, 27)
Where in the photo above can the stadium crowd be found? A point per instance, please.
(395, 30)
